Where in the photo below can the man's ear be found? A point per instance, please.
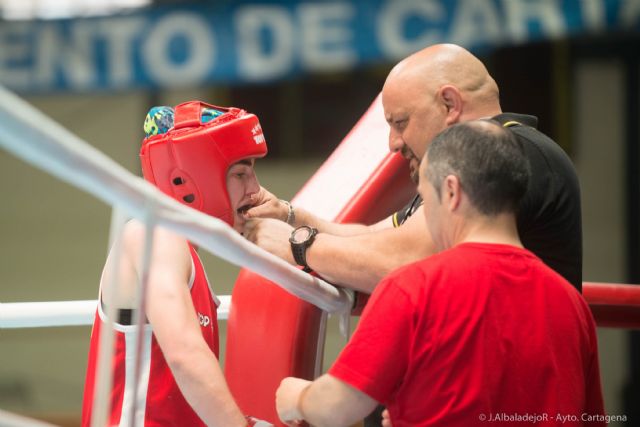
(451, 192)
(452, 100)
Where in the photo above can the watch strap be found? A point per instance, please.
(299, 252)
(299, 249)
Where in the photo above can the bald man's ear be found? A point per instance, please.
(452, 100)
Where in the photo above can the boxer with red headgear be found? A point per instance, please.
(203, 156)
(190, 162)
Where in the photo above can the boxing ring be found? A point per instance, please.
(295, 342)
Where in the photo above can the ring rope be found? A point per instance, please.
(16, 315)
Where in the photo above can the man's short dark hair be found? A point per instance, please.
(489, 161)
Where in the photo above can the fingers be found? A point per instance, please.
(262, 197)
(287, 400)
(269, 209)
(266, 195)
(250, 229)
(266, 205)
(265, 210)
(386, 420)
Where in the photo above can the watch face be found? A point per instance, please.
(301, 234)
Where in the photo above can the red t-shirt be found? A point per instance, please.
(481, 334)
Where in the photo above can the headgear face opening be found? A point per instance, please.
(191, 160)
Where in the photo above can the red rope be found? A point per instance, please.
(614, 305)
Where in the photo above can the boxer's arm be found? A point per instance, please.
(173, 318)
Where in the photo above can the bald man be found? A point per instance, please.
(425, 93)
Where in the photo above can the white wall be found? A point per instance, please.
(599, 157)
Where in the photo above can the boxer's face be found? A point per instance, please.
(242, 184)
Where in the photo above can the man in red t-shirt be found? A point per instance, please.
(482, 332)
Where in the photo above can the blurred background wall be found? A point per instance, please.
(309, 70)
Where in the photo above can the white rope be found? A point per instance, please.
(16, 315)
(7, 419)
(139, 318)
(35, 138)
(41, 314)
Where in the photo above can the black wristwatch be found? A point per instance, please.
(301, 238)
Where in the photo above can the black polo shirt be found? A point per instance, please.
(549, 217)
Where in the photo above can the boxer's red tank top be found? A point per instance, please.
(159, 400)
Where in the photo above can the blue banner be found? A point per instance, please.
(240, 42)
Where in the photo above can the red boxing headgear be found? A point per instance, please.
(190, 161)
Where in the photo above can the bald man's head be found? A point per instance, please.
(448, 64)
(430, 90)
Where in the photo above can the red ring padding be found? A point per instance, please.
(613, 305)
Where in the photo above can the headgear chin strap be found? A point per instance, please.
(190, 161)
